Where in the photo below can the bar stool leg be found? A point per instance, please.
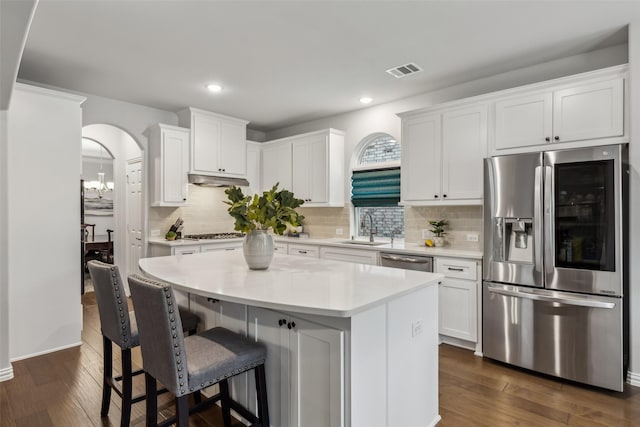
(152, 400)
(225, 403)
(182, 411)
(127, 386)
(107, 367)
(263, 404)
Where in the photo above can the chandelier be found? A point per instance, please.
(100, 186)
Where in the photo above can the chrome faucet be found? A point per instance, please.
(371, 232)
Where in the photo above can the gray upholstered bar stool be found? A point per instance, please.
(119, 326)
(186, 365)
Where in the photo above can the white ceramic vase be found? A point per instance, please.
(258, 249)
(438, 241)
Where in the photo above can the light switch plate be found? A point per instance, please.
(416, 327)
(339, 231)
(472, 237)
(426, 233)
(155, 233)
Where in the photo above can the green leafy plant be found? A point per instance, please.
(438, 227)
(275, 209)
(171, 235)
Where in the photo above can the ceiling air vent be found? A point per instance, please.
(404, 70)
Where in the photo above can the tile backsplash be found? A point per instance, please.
(205, 213)
(462, 220)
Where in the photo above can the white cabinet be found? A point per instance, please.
(276, 165)
(581, 111)
(297, 249)
(318, 168)
(305, 368)
(442, 155)
(215, 247)
(458, 300)
(218, 143)
(168, 165)
(253, 168)
(349, 255)
(281, 247)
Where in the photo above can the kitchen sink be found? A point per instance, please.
(363, 243)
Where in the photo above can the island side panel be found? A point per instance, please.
(412, 364)
(367, 366)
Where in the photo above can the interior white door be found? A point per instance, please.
(135, 244)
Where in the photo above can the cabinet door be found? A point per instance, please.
(175, 164)
(301, 174)
(318, 169)
(457, 309)
(317, 375)
(589, 111)
(205, 133)
(276, 166)
(304, 250)
(253, 169)
(523, 121)
(464, 146)
(233, 149)
(267, 327)
(421, 158)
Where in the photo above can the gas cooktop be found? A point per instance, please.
(213, 236)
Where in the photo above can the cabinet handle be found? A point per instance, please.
(444, 195)
(435, 196)
(455, 269)
(547, 139)
(212, 300)
(302, 252)
(282, 322)
(291, 325)
(184, 199)
(557, 138)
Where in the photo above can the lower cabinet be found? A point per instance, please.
(304, 368)
(349, 255)
(458, 301)
(304, 250)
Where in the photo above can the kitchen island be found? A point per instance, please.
(347, 344)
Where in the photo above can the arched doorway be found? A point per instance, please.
(129, 215)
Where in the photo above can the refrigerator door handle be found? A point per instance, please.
(538, 223)
(582, 302)
(548, 220)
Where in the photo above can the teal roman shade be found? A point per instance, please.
(375, 187)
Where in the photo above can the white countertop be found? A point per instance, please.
(295, 284)
(399, 246)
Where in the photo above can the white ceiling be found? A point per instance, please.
(283, 63)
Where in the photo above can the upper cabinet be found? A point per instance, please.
(586, 109)
(318, 168)
(276, 164)
(442, 152)
(168, 165)
(310, 165)
(253, 168)
(218, 143)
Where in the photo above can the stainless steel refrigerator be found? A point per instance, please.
(555, 268)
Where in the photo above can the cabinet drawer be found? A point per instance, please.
(456, 268)
(304, 250)
(185, 250)
(349, 255)
(280, 247)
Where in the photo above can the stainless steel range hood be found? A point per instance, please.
(216, 181)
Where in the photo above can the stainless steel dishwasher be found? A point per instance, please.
(408, 262)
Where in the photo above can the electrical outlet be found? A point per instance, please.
(426, 233)
(155, 233)
(339, 231)
(472, 237)
(416, 327)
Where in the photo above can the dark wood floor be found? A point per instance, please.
(64, 389)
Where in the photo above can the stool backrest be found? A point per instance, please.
(160, 333)
(112, 303)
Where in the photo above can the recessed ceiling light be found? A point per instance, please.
(215, 88)
(365, 100)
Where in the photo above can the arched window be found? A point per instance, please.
(376, 187)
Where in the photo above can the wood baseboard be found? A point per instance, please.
(6, 373)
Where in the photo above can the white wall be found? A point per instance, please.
(634, 215)
(6, 370)
(45, 312)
